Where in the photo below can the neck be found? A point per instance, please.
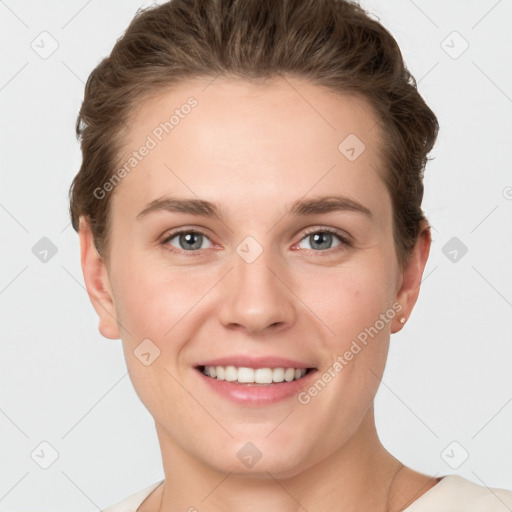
(358, 477)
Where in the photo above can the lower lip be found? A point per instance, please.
(257, 395)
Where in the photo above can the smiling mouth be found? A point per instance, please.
(254, 376)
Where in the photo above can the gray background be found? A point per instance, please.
(447, 390)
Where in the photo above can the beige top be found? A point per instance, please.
(452, 494)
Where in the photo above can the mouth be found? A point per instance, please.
(245, 376)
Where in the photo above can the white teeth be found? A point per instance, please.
(278, 374)
(263, 376)
(289, 374)
(230, 373)
(246, 375)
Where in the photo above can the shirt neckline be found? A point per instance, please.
(432, 492)
(447, 480)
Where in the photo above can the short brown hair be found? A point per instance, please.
(331, 43)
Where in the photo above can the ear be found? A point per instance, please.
(409, 288)
(97, 282)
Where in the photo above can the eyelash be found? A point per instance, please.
(344, 241)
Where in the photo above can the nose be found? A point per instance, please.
(256, 297)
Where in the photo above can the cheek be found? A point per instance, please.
(355, 303)
(357, 307)
(158, 310)
(151, 300)
(351, 299)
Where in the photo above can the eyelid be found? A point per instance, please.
(168, 236)
(344, 238)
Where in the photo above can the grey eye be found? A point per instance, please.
(321, 240)
(187, 240)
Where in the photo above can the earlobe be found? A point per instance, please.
(412, 274)
(97, 282)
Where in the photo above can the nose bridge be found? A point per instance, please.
(257, 296)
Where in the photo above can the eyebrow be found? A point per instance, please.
(301, 207)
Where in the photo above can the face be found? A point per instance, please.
(255, 231)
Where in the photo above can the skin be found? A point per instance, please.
(255, 148)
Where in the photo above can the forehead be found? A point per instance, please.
(230, 139)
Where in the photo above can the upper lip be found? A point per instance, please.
(255, 362)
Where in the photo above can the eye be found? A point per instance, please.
(186, 241)
(190, 241)
(322, 240)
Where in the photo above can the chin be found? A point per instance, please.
(256, 459)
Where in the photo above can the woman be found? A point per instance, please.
(249, 213)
